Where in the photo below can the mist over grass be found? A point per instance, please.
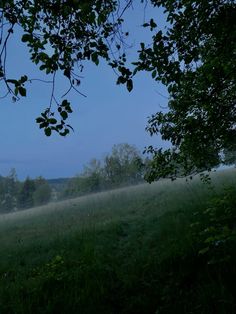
(130, 250)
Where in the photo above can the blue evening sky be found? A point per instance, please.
(108, 115)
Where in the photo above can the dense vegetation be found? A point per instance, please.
(160, 248)
(122, 167)
(16, 195)
(194, 57)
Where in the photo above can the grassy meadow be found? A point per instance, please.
(138, 250)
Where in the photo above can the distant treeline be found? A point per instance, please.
(123, 166)
(16, 195)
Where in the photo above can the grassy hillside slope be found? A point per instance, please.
(132, 250)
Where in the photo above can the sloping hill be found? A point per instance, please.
(131, 250)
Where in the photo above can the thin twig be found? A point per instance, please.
(67, 92)
(39, 80)
(6, 39)
(79, 92)
(52, 93)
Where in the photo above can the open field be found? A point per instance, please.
(131, 250)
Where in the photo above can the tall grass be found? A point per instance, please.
(131, 250)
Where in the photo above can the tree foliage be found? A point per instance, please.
(25, 197)
(15, 195)
(122, 167)
(9, 187)
(61, 35)
(195, 58)
(42, 193)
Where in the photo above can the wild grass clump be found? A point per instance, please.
(145, 249)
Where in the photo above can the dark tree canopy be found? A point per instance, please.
(194, 57)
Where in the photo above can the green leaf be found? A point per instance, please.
(12, 81)
(142, 46)
(43, 125)
(47, 131)
(26, 37)
(121, 80)
(94, 57)
(152, 24)
(64, 115)
(42, 67)
(68, 109)
(52, 121)
(154, 74)
(22, 91)
(129, 85)
(40, 120)
(65, 103)
(59, 127)
(67, 73)
(23, 79)
(135, 71)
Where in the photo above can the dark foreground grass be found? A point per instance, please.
(133, 250)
